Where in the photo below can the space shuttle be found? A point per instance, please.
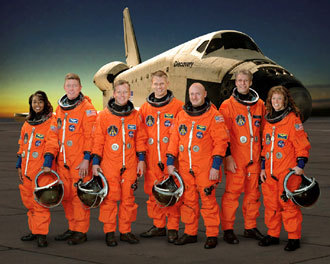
(211, 59)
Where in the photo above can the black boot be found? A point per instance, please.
(211, 242)
(185, 239)
(292, 245)
(29, 237)
(154, 231)
(230, 237)
(77, 238)
(129, 237)
(172, 235)
(65, 236)
(253, 233)
(42, 241)
(110, 239)
(268, 240)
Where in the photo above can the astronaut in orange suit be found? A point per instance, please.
(158, 114)
(69, 140)
(198, 140)
(119, 152)
(30, 158)
(243, 113)
(285, 147)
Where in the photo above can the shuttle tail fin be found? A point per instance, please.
(131, 48)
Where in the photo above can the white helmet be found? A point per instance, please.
(92, 193)
(167, 192)
(50, 195)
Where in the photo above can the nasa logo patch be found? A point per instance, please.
(167, 123)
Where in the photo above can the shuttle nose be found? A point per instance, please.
(303, 101)
(267, 77)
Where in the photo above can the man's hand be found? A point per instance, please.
(298, 171)
(83, 168)
(46, 169)
(170, 169)
(20, 177)
(214, 174)
(263, 175)
(231, 164)
(141, 168)
(96, 170)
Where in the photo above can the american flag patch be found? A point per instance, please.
(90, 112)
(299, 127)
(219, 119)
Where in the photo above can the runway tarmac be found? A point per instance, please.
(315, 243)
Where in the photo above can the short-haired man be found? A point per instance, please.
(69, 140)
(119, 152)
(199, 140)
(243, 113)
(158, 114)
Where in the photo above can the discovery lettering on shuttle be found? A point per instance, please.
(183, 64)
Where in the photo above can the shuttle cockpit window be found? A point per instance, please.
(202, 46)
(231, 40)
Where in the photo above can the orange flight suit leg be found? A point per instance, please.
(273, 216)
(26, 191)
(173, 215)
(291, 214)
(251, 201)
(76, 214)
(229, 201)
(127, 206)
(211, 213)
(41, 220)
(108, 214)
(156, 213)
(190, 209)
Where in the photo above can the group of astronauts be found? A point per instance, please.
(257, 142)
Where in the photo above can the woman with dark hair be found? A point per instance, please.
(30, 160)
(285, 147)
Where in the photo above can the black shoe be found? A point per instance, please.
(110, 239)
(185, 239)
(154, 231)
(292, 245)
(172, 235)
(42, 241)
(29, 237)
(129, 237)
(65, 236)
(268, 240)
(230, 237)
(253, 233)
(211, 242)
(77, 238)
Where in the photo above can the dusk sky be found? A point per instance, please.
(42, 40)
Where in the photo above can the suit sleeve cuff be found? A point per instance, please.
(48, 160)
(170, 160)
(96, 159)
(19, 162)
(217, 161)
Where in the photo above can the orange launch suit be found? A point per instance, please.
(159, 119)
(289, 143)
(203, 136)
(35, 136)
(77, 124)
(108, 145)
(246, 178)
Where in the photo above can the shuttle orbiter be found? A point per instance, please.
(211, 59)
